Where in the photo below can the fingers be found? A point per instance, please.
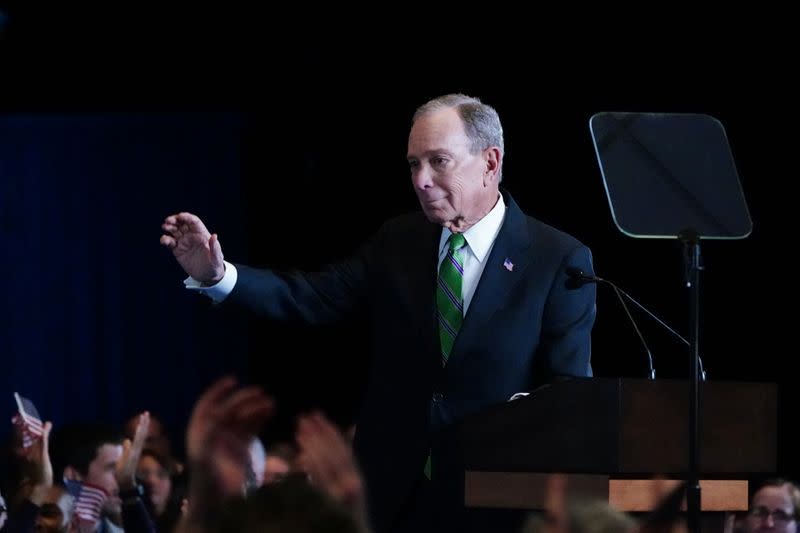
(204, 419)
(328, 458)
(244, 411)
(216, 249)
(133, 450)
(226, 413)
(324, 435)
(47, 466)
(174, 230)
(182, 224)
(214, 395)
(46, 440)
(313, 464)
(126, 452)
(126, 465)
(185, 222)
(142, 428)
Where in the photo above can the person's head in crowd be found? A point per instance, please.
(155, 471)
(50, 519)
(587, 517)
(290, 505)
(774, 507)
(164, 490)
(88, 454)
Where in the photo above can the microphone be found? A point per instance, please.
(578, 278)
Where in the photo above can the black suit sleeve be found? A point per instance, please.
(568, 319)
(314, 298)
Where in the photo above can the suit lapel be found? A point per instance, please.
(505, 266)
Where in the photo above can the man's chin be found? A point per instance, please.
(436, 216)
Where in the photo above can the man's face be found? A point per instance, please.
(157, 480)
(451, 183)
(101, 473)
(772, 510)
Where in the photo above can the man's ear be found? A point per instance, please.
(493, 157)
(72, 473)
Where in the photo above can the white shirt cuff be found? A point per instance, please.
(518, 395)
(221, 289)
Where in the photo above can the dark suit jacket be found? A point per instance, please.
(523, 327)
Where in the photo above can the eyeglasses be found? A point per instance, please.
(779, 516)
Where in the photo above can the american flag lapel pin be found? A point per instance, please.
(508, 264)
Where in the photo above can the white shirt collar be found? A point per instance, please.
(481, 236)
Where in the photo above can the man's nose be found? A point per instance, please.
(422, 178)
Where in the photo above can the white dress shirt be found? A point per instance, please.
(480, 241)
(221, 289)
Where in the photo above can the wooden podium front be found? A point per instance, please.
(526, 490)
(611, 437)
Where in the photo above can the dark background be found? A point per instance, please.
(291, 146)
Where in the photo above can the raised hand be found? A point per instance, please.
(39, 455)
(223, 422)
(226, 414)
(197, 251)
(131, 452)
(326, 456)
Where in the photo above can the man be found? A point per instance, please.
(468, 305)
(774, 507)
(102, 466)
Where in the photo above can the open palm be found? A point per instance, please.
(196, 249)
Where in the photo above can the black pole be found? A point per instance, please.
(691, 250)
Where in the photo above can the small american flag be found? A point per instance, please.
(29, 420)
(89, 503)
(508, 264)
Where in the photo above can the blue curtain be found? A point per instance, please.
(95, 324)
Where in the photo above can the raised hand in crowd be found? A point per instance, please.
(223, 423)
(327, 457)
(38, 454)
(125, 472)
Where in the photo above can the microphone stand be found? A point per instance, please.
(661, 322)
(618, 292)
(578, 277)
(691, 255)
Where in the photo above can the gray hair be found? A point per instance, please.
(481, 121)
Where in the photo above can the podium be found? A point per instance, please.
(611, 437)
